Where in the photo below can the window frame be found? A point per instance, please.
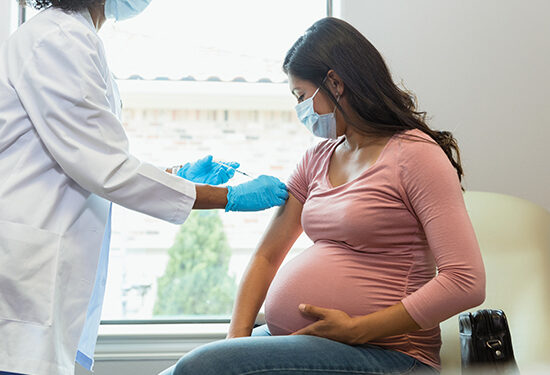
(21, 14)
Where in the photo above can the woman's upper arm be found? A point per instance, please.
(281, 233)
(286, 226)
(432, 188)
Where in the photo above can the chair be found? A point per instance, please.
(514, 237)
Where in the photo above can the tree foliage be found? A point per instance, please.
(196, 280)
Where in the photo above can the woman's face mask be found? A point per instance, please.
(323, 126)
(124, 9)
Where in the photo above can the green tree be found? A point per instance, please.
(196, 280)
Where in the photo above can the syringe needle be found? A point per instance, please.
(235, 169)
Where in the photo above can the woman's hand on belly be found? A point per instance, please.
(338, 326)
(332, 324)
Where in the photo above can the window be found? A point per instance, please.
(198, 78)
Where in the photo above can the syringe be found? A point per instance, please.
(235, 169)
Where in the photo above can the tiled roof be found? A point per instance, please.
(137, 77)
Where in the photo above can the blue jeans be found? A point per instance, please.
(293, 355)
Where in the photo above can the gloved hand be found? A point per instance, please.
(206, 171)
(256, 195)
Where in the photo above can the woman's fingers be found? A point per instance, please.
(308, 330)
(314, 311)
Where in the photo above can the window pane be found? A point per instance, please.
(206, 79)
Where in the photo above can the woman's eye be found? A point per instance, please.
(300, 98)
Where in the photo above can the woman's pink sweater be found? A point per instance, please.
(378, 240)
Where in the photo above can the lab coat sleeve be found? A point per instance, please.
(64, 91)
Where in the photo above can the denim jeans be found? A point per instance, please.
(293, 355)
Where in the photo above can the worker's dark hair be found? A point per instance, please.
(331, 43)
(73, 5)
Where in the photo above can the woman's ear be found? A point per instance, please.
(335, 84)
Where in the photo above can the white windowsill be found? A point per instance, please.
(131, 342)
(154, 341)
(174, 329)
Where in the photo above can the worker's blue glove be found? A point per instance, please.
(256, 195)
(206, 171)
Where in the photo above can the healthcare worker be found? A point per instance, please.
(63, 158)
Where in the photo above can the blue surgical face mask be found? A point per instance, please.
(323, 126)
(124, 9)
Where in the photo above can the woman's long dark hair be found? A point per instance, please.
(385, 108)
(73, 5)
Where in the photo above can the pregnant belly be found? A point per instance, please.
(333, 277)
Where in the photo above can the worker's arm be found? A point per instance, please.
(64, 87)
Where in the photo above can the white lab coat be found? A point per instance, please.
(63, 156)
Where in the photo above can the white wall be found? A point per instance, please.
(5, 18)
(482, 70)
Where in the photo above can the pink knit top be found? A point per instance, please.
(378, 240)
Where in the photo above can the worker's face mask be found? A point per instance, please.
(323, 126)
(124, 9)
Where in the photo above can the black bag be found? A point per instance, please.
(486, 343)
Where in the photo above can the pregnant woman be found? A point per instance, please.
(381, 199)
